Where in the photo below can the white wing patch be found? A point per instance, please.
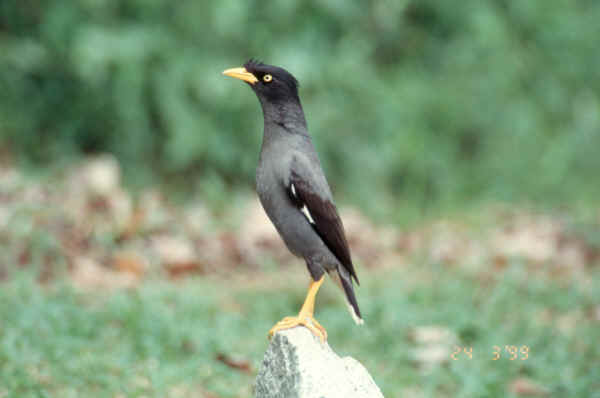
(306, 213)
(303, 209)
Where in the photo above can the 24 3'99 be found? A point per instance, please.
(511, 352)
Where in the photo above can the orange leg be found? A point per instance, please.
(305, 316)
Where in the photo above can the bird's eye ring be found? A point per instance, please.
(267, 78)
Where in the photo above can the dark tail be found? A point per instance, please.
(346, 282)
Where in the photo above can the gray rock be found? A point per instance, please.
(298, 365)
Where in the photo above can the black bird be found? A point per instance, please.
(294, 192)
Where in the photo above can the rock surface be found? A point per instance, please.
(298, 365)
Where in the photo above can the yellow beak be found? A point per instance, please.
(242, 74)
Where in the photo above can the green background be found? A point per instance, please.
(471, 129)
(425, 102)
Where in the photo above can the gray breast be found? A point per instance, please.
(297, 233)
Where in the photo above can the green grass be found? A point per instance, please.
(162, 339)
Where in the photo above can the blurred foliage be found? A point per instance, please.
(427, 102)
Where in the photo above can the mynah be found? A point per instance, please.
(294, 192)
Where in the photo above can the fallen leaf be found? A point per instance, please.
(129, 262)
(132, 225)
(239, 364)
(177, 255)
(178, 270)
(527, 387)
(88, 274)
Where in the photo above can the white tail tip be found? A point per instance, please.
(358, 320)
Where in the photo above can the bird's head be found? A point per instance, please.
(271, 84)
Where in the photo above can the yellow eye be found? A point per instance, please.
(267, 78)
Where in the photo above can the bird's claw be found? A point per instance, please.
(307, 321)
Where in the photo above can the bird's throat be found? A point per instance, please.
(288, 114)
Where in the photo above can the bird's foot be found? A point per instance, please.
(306, 320)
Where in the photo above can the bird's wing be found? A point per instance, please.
(309, 190)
